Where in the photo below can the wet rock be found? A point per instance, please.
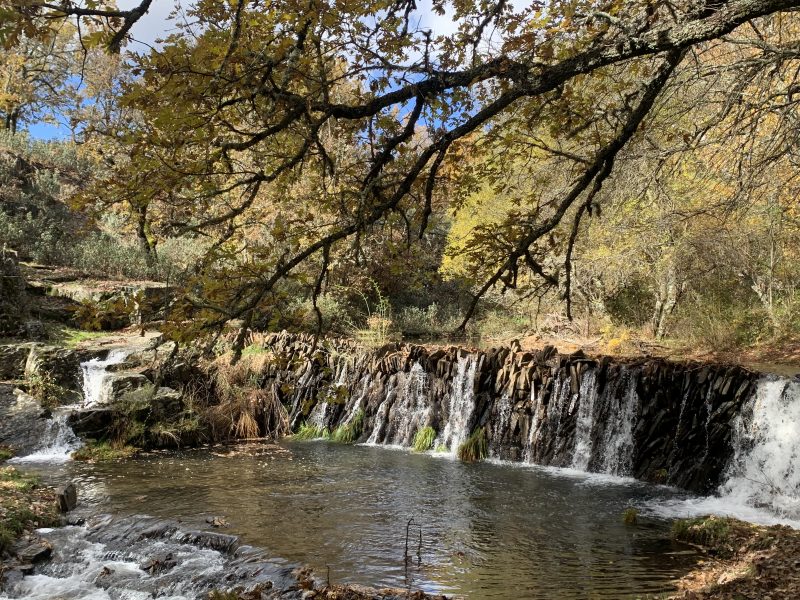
(34, 552)
(67, 497)
(159, 564)
(206, 539)
(91, 423)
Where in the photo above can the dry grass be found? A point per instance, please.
(244, 409)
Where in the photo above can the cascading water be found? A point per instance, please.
(583, 430)
(617, 453)
(56, 445)
(461, 405)
(95, 373)
(59, 441)
(765, 470)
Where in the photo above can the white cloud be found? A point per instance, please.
(155, 24)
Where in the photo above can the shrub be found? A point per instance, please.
(475, 447)
(424, 438)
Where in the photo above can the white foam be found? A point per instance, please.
(95, 372)
(57, 444)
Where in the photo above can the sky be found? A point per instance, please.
(157, 24)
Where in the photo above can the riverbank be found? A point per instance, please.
(25, 506)
(744, 561)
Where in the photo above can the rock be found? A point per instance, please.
(12, 360)
(215, 541)
(35, 552)
(159, 564)
(217, 521)
(167, 402)
(91, 422)
(116, 385)
(67, 497)
(75, 521)
(60, 366)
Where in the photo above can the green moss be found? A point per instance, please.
(94, 451)
(630, 516)
(441, 448)
(5, 453)
(423, 440)
(475, 447)
(311, 432)
(74, 337)
(350, 432)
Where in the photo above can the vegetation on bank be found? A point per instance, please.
(24, 505)
(105, 451)
(746, 560)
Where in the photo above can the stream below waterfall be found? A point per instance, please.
(488, 530)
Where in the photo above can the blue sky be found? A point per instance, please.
(157, 24)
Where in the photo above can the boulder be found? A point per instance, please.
(117, 385)
(167, 402)
(67, 497)
(34, 552)
(61, 366)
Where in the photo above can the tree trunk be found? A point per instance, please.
(667, 295)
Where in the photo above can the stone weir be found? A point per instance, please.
(652, 419)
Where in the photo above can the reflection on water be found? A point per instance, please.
(488, 530)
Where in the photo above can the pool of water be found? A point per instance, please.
(494, 531)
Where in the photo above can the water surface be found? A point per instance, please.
(494, 531)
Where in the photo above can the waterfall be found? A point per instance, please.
(57, 443)
(461, 404)
(765, 469)
(95, 373)
(500, 423)
(585, 423)
(618, 446)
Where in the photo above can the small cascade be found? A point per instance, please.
(461, 404)
(618, 445)
(765, 469)
(500, 423)
(585, 423)
(95, 373)
(57, 443)
(533, 429)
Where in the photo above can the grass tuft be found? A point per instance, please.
(475, 447)
(630, 516)
(6, 453)
(424, 438)
(350, 432)
(311, 432)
